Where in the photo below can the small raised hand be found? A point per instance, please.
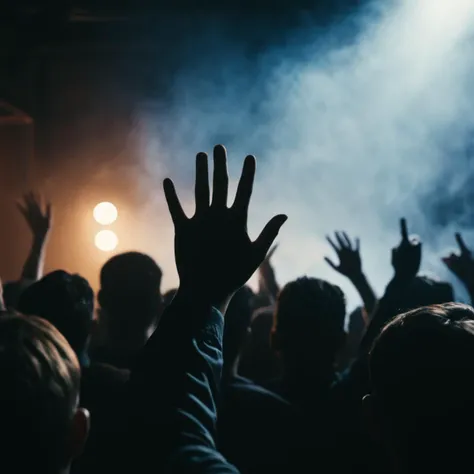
(214, 253)
(406, 258)
(348, 252)
(37, 215)
(462, 264)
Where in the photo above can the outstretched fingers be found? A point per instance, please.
(221, 178)
(245, 187)
(404, 230)
(177, 214)
(331, 263)
(268, 235)
(332, 244)
(202, 183)
(462, 245)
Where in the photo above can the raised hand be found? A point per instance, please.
(350, 264)
(214, 254)
(37, 215)
(406, 258)
(462, 265)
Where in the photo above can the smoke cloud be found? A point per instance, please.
(353, 126)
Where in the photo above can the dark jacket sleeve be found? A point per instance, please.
(173, 391)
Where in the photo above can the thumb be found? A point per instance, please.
(268, 235)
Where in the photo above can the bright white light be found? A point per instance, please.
(105, 213)
(106, 240)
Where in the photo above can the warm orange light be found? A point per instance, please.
(105, 213)
(106, 240)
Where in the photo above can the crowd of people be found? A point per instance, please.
(215, 378)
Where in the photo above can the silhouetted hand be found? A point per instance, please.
(214, 254)
(462, 265)
(406, 258)
(350, 264)
(37, 216)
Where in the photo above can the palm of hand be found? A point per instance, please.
(350, 263)
(214, 253)
(406, 258)
(461, 265)
(208, 246)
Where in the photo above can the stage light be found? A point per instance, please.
(106, 240)
(105, 213)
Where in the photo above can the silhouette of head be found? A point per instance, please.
(40, 375)
(130, 292)
(424, 291)
(309, 322)
(237, 324)
(422, 386)
(67, 302)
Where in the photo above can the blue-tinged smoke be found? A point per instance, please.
(353, 125)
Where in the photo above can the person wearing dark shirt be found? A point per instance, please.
(256, 427)
(174, 385)
(67, 302)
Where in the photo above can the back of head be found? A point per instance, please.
(67, 302)
(237, 323)
(422, 375)
(309, 319)
(130, 290)
(39, 376)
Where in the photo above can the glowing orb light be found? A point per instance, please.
(106, 240)
(105, 213)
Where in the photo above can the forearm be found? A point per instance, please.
(366, 292)
(33, 267)
(176, 384)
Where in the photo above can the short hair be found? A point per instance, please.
(310, 309)
(40, 383)
(130, 283)
(422, 375)
(66, 301)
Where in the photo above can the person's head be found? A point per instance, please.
(67, 302)
(309, 323)
(237, 324)
(422, 387)
(130, 293)
(425, 291)
(43, 428)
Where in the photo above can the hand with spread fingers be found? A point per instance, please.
(214, 253)
(39, 218)
(462, 265)
(406, 258)
(37, 215)
(350, 264)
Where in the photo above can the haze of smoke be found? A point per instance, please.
(350, 135)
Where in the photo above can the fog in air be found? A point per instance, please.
(353, 126)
